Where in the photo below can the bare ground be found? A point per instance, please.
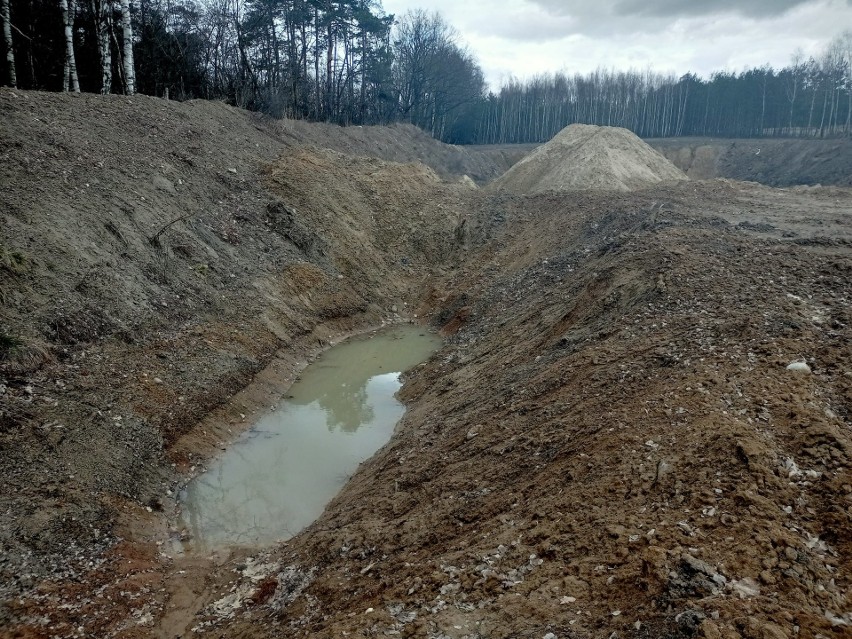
(775, 162)
(610, 441)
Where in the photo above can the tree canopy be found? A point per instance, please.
(348, 62)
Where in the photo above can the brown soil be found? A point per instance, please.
(609, 443)
(582, 157)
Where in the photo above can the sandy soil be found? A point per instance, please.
(583, 157)
(609, 442)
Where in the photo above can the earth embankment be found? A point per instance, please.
(776, 162)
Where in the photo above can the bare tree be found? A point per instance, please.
(7, 38)
(844, 45)
(794, 81)
(435, 79)
(71, 82)
(127, 57)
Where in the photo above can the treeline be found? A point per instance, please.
(342, 61)
(810, 98)
(347, 61)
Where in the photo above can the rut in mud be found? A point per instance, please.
(609, 442)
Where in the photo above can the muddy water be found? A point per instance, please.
(278, 477)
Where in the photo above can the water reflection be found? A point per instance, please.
(338, 381)
(278, 477)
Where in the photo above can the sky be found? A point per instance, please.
(522, 38)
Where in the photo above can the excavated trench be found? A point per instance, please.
(609, 441)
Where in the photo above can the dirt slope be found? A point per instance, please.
(773, 162)
(148, 272)
(400, 143)
(609, 443)
(586, 157)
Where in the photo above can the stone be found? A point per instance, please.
(164, 184)
(710, 630)
(799, 367)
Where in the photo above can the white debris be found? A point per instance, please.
(791, 467)
(745, 587)
(815, 543)
(799, 366)
(845, 620)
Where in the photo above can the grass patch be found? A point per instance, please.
(18, 357)
(7, 343)
(13, 261)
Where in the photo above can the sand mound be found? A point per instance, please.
(584, 157)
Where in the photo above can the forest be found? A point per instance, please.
(348, 62)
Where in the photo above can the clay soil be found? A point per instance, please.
(608, 445)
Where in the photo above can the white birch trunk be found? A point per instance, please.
(127, 36)
(103, 11)
(71, 81)
(7, 38)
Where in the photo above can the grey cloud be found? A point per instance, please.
(669, 8)
(528, 28)
(672, 8)
(606, 18)
(558, 19)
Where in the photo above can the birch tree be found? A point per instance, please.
(127, 57)
(72, 83)
(7, 39)
(793, 81)
(102, 12)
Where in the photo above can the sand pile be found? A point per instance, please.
(584, 157)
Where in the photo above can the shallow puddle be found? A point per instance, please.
(278, 476)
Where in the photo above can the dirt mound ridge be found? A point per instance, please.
(584, 157)
(403, 143)
(781, 162)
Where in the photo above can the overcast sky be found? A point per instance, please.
(524, 37)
